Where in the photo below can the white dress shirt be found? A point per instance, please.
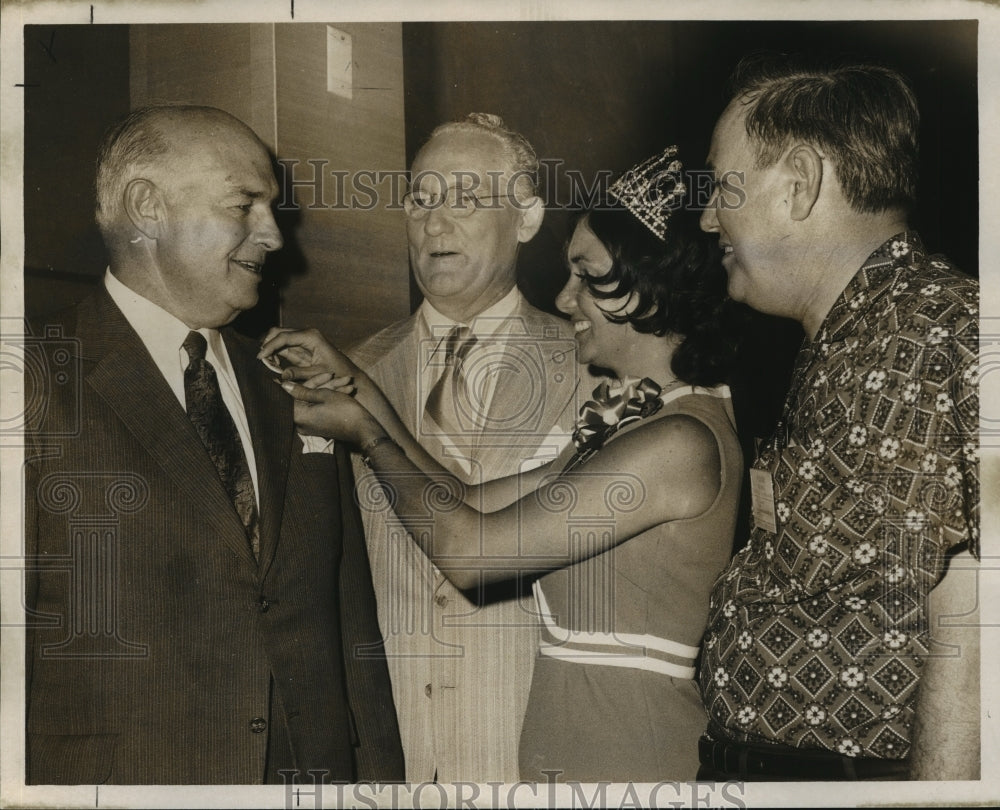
(162, 334)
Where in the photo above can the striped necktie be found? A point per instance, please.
(448, 408)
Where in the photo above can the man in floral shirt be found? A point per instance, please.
(824, 658)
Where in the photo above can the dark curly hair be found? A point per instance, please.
(678, 287)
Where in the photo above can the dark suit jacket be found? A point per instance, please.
(159, 650)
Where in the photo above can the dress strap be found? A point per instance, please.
(719, 392)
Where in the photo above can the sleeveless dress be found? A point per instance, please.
(613, 697)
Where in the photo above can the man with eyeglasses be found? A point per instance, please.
(488, 383)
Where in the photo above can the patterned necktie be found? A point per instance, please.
(215, 426)
(448, 401)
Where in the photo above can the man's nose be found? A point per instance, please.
(266, 234)
(437, 221)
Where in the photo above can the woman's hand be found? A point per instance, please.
(324, 407)
(305, 354)
(342, 385)
(302, 354)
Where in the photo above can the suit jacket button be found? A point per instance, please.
(258, 725)
(441, 600)
(263, 604)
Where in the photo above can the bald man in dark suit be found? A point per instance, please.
(199, 598)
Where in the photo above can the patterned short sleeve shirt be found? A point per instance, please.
(817, 631)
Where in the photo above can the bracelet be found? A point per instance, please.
(367, 448)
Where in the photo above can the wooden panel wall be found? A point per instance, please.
(356, 274)
(226, 66)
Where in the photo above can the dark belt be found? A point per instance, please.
(750, 761)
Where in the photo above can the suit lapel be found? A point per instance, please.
(395, 366)
(127, 379)
(561, 407)
(269, 415)
(399, 369)
(496, 449)
(509, 398)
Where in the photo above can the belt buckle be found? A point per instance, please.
(731, 760)
(717, 755)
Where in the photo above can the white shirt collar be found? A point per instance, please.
(486, 323)
(162, 334)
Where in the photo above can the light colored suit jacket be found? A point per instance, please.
(159, 650)
(461, 663)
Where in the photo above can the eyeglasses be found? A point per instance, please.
(459, 202)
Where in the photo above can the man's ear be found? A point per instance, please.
(144, 205)
(532, 212)
(804, 167)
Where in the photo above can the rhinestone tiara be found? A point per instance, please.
(652, 190)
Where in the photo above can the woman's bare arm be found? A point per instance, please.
(662, 470)
(312, 360)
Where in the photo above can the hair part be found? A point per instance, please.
(863, 117)
(673, 287)
(518, 152)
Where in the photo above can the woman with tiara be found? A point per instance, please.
(624, 533)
